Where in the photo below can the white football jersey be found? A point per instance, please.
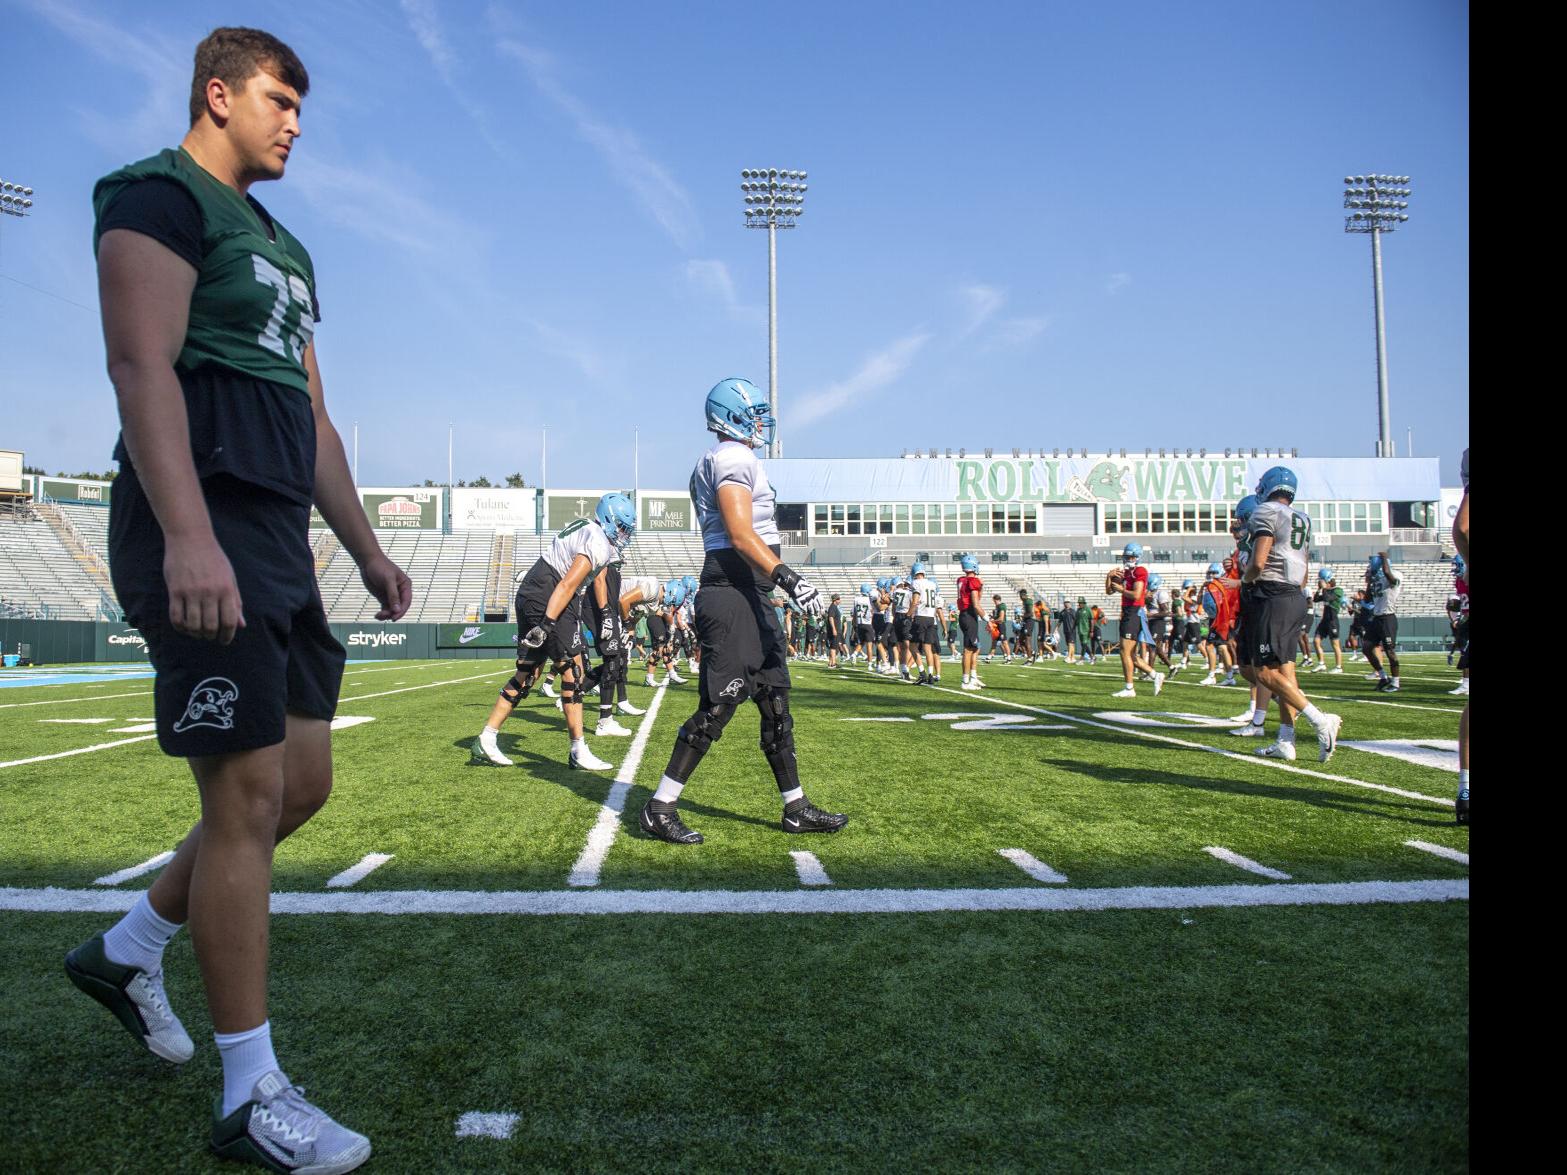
(730, 462)
(650, 592)
(1290, 530)
(862, 610)
(582, 537)
(924, 597)
(1391, 585)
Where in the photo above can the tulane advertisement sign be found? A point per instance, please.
(1047, 479)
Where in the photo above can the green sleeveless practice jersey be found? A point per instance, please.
(254, 306)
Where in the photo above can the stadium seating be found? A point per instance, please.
(39, 576)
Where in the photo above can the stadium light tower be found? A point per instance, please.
(1376, 204)
(774, 199)
(15, 199)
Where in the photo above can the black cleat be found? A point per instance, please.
(1387, 687)
(1461, 808)
(803, 816)
(660, 820)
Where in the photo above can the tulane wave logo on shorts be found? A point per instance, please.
(211, 704)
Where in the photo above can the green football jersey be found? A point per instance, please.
(254, 306)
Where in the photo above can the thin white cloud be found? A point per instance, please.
(1018, 332)
(580, 353)
(1117, 282)
(386, 208)
(981, 303)
(713, 280)
(878, 371)
(424, 19)
(648, 180)
(163, 67)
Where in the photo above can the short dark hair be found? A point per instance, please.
(236, 55)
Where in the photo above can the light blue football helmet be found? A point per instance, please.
(1154, 580)
(1280, 478)
(1459, 566)
(1186, 583)
(1214, 571)
(866, 589)
(674, 594)
(1245, 508)
(884, 582)
(737, 409)
(1325, 575)
(1131, 553)
(919, 567)
(692, 583)
(1375, 564)
(617, 514)
(969, 563)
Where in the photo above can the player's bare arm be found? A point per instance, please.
(576, 575)
(338, 500)
(145, 290)
(734, 506)
(1261, 547)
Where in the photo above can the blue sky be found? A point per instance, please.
(1035, 224)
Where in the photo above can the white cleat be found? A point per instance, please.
(1158, 683)
(1174, 669)
(1239, 718)
(1336, 669)
(1319, 667)
(609, 727)
(587, 761)
(1128, 692)
(1462, 691)
(1250, 730)
(560, 705)
(487, 750)
(649, 682)
(969, 685)
(675, 677)
(627, 708)
(1278, 750)
(1209, 680)
(547, 690)
(1327, 736)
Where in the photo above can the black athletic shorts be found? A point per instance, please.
(1327, 627)
(1461, 639)
(1159, 627)
(1134, 626)
(212, 699)
(1193, 632)
(879, 624)
(657, 632)
(743, 645)
(1270, 626)
(902, 628)
(968, 624)
(862, 634)
(533, 596)
(924, 630)
(1383, 630)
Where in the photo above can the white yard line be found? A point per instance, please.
(480, 1125)
(79, 751)
(368, 864)
(796, 901)
(146, 866)
(809, 869)
(1246, 863)
(79, 721)
(602, 835)
(73, 701)
(492, 675)
(1181, 742)
(875, 720)
(1115, 675)
(1033, 866)
(346, 721)
(1439, 850)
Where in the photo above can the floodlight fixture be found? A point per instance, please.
(1379, 202)
(775, 199)
(15, 199)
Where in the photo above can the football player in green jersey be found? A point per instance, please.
(209, 308)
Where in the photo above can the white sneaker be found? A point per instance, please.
(1327, 736)
(1230, 680)
(1158, 683)
(1336, 669)
(649, 682)
(279, 1129)
(1319, 667)
(1174, 669)
(1209, 680)
(608, 726)
(978, 684)
(1128, 692)
(627, 708)
(1462, 691)
(487, 750)
(547, 690)
(675, 677)
(135, 997)
(1239, 718)
(1250, 730)
(560, 705)
(969, 685)
(587, 760)
(1278, 749)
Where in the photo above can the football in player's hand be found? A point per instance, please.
(1117, 579)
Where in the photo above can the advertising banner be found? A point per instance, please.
(493, 509)
(96, 492)
(407, 509)
(563, 507)
(476, 636)
(666, 512)
(122, 643)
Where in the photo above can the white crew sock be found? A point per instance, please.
(579, 746)
(138, 939)
(1314, 716)
(1395, 680)
(668, 790)
(247, 1058)
(1259, 715)
(793, 794)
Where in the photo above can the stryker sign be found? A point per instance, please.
(376, 640)
(1045, 479)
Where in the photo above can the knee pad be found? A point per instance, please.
(705, 727)
(514, 691)
(777, 722)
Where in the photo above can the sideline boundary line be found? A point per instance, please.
(601, 837)
(793, 901)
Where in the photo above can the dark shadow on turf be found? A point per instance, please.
(1405, 810)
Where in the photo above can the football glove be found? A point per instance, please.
(804, 593)
(609, 637)
(531, 647)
